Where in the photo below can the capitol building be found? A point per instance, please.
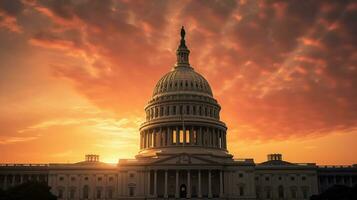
(182, 155)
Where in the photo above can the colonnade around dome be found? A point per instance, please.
(190, 135)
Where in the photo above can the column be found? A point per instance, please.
(188, 184)
(169, 135)
(155, 183)
(200, 138)
(149, 186)
(184, 135)
(220, 184)
(199, 184)
(165, 194)
(209, 184)
(177, 136)
(177, 186)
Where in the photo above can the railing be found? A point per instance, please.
(22, 165)
(337, 166)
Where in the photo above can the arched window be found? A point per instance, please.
(161, 111)
(194, 110)
(187, 110)
(85, 192)
(200, 110)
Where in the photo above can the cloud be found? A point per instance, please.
(280, 69)
(10, 140)
(9, 10)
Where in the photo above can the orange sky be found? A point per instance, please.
(76, 75)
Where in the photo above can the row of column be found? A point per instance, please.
(160, 111)
(181, 135)
(6, 183)
(177, 195)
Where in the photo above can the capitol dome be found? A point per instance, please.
(183, 115)
(182, 79)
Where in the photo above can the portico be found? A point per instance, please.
(185, 183)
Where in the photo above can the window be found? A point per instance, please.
(281, 192)
(303, 178)
(187, 110)
(267, 178)
(256, 178)
(131, 175)
(60, 193)
(73, 178)
(85, 192)
(279, 178)
(268, 193)
(111, 179)
(99, 178)
(99, 193)
(86, 178)
(241, 190)
(131, 191)
(181, 137)
(240, 175)
(72, 193)
(61, 178)
(194, 110)
(187, 136)
(293, 193)
(174, 110)
(292, 178)
(174, 137)
(304, 192)
(110, 193)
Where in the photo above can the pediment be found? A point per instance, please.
(185, 159)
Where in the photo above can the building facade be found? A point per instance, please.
(183, 154)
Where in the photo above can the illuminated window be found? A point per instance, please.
(181, 137)
(174, 137)
(188, 136)
(194, 137)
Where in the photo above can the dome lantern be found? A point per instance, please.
(182, 52)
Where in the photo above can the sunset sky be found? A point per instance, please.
(75, 75)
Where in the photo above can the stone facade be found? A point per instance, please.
(183, 154)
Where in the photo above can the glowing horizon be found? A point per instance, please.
(76, 75)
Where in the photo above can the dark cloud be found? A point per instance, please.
(279, 68)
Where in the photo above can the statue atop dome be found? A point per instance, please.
(183, 33)
(182, 52)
